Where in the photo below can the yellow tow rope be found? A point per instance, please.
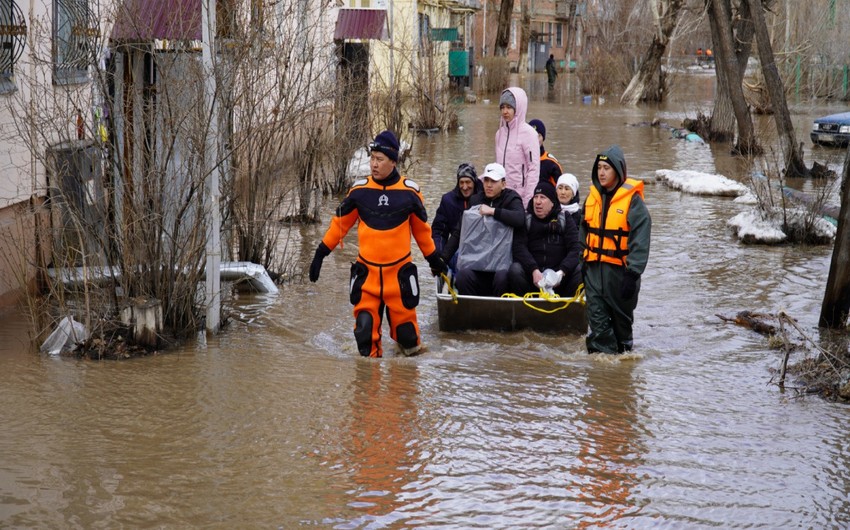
(448, 283)
(527, 298)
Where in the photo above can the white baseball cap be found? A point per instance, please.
(493, 171)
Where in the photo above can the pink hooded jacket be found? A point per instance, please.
(518, 149)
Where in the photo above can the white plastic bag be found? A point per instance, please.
(66, 334)
(550, 280)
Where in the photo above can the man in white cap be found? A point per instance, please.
(483, 262)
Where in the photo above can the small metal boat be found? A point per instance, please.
(552, 315)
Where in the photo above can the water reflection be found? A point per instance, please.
(610, 449)
(383, 446)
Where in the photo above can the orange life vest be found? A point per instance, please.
(609, 243)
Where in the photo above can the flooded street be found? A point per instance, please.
(278, 423)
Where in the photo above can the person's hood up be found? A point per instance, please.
(521, 105)
(614, 156)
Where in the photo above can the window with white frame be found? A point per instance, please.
(513, 34)
(74, 34)
(559, 35)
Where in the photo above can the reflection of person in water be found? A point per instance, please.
(382, 451)
(609, 448)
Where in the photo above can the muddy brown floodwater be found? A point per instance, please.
(277, 423)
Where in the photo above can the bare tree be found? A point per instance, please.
(611, 58)
(503, 31)
(648, 83)
(836, 298)
(792, 152)
(572, 6)
(722, 123)
(731, 78)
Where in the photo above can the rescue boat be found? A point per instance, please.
(457, 312)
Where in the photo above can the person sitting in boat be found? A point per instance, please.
(453, 204)
(568, 196)
(549, 240)
(483, 237)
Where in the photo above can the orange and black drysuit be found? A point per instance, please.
(384, 276)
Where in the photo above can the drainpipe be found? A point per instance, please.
(392, 46)
(484, 32)
(213, 266)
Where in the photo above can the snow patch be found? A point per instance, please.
(755, 226)
(358, 166)
(748, 198)
(698, 183)
(749, 227)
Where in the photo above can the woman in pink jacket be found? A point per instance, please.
(517, 147)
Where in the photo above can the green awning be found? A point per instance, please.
(444, 34)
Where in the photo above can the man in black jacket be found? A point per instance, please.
(549, 240)
(504, 206)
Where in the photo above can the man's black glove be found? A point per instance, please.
(629, 285)
(438, 266)
(322, 251)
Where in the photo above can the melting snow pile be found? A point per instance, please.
(698, 183)
(772, 226)
(769, 227)
(358, 166)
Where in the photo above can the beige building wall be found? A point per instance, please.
(36, 112)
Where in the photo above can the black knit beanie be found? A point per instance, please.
(386, 143)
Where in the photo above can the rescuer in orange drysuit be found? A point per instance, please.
(390, 208)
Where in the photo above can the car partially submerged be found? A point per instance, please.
(832, 130)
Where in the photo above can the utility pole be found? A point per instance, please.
(211, 166)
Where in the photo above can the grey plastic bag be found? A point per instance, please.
(485, 243)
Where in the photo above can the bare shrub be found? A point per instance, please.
(129, 157)
(433, 108)
(603, 74)
(496, 72)
(801, 216)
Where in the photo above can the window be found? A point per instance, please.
(559, 35)
(258, 15)
(13, 33)
(74, 31)
(424, 34)
(549, 35)
(513, 34)
(225, 18)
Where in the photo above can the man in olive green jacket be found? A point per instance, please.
(615, 231)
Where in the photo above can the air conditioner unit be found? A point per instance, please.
(78, 200)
